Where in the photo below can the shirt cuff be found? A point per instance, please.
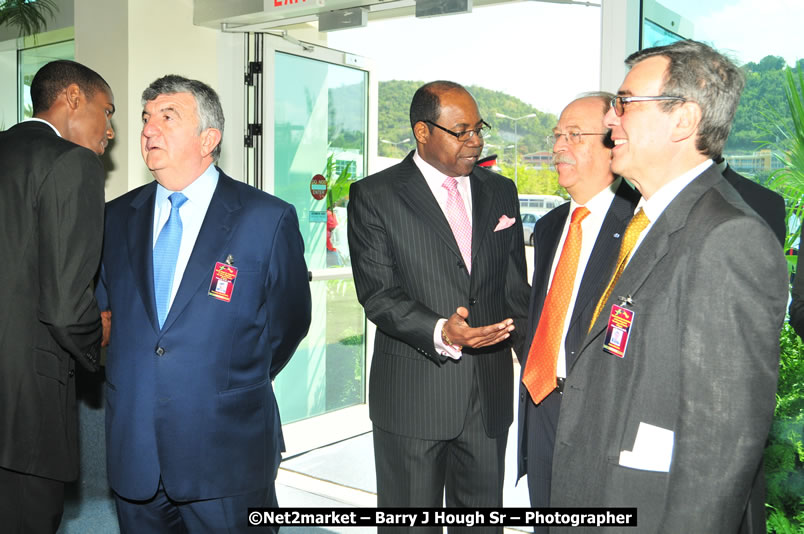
(450, 351)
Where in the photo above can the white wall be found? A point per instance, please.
(133, 42)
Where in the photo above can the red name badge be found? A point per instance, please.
(223, 280)
(620, 322)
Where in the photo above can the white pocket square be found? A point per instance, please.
(504, 222)
(653, 449)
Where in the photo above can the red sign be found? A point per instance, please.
(318, 187)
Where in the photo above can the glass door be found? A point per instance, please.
(319, 137)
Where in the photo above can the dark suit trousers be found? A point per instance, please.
(414, 472)
(162, 515)
(30, 504)
(540, 426)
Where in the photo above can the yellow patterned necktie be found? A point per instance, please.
(635, 227)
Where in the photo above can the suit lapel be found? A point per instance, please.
(482, 196)
(140, 249)
(655, 246)
(605, 251)
(212, 240)
(545, 245)
(413, 190)
(545, 248)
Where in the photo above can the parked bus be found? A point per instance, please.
(540, 204)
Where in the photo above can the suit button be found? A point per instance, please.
(160, 351)
(522, 396)
(71, 373)
(472, 301)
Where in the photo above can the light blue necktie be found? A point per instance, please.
(166, 252)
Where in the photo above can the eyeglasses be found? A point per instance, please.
(481, 131)
(571, 137)
(618, 102)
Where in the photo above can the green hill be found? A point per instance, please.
(394, 123)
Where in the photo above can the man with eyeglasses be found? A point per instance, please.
(669, 402)
(439, 266)
(575, 246)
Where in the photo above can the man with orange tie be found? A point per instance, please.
(575, 246)
(668, 403)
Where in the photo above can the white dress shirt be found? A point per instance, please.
(192, 212)
(435, 180)
(658, 202)
(598, 206)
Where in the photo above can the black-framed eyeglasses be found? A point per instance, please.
(618, 102)
(571, 137)
(481, 131)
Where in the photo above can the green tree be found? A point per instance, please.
(534, 180)
(29, 17)
(393, 120)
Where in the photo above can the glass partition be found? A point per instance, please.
(319, 149)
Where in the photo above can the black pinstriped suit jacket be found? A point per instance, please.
(409, 273)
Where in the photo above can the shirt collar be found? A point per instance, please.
(430, 173)
(658, 202)
(200, 191)
(600, 202)
(37, 119)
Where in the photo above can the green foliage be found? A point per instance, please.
(788, 147)
(337, 186)
(534, 181)
(784, 456)
(29, 17)
(763, 94)
(393, 121)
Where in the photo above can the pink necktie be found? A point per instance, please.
(459, 220)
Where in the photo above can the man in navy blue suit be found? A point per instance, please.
(206, 283)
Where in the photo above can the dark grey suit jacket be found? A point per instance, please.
(709, 289)
(409, 273)
(546, 235)
(51, 226)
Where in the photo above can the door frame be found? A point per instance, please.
(335, 426)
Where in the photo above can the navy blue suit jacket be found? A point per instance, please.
(192, 403)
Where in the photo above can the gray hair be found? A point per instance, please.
(208, 104)
(700, 74)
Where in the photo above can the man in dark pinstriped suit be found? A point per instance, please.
(440, 389)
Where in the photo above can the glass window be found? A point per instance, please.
(30, 61)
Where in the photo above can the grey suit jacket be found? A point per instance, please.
(409, 273)
(709, 289)
(51, 226)
(546, 235)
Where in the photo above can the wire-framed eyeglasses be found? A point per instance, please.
(571, 137)
(481, 131)
(618, 102)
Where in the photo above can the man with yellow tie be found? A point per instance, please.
(575, 247)
(669, 402)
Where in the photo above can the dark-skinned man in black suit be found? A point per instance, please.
(438, 258)
(51, 201)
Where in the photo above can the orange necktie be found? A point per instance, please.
(540, 370)
(635, 227)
